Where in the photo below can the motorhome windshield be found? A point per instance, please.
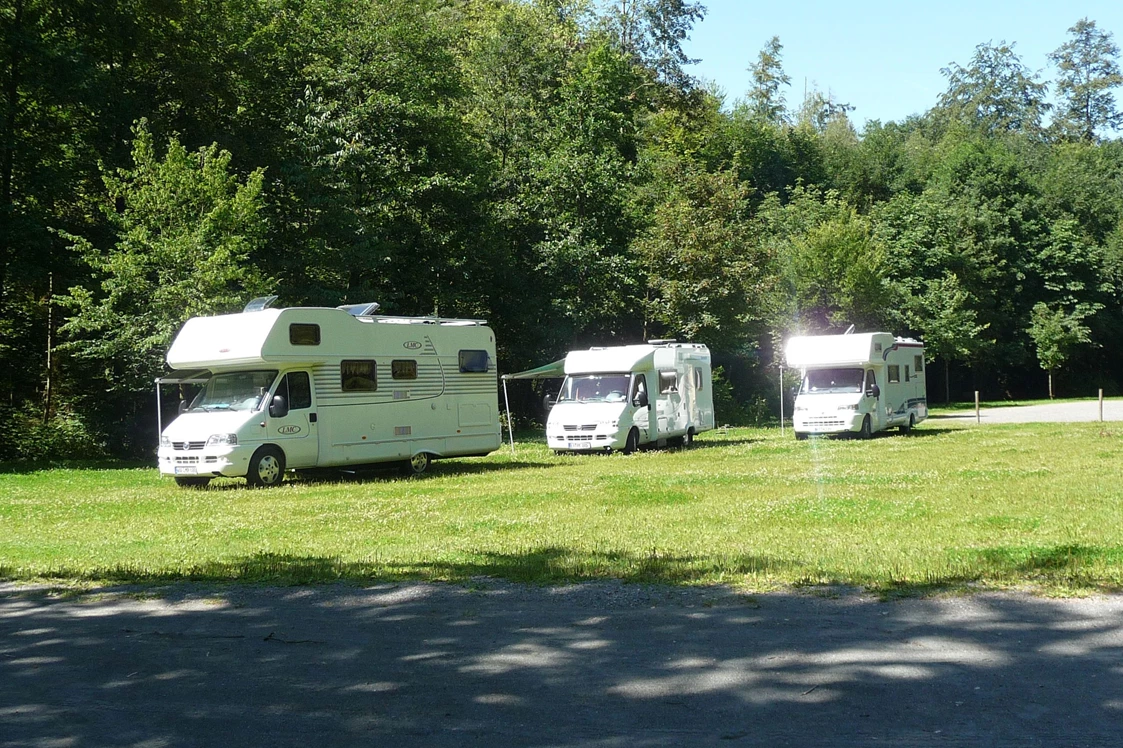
(235, 390)
(595, 388)
(832, 380)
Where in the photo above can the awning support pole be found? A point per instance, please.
(510, 426)
(159, 414)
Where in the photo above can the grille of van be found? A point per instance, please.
(827, 421)
(181, 446)
(584, 427)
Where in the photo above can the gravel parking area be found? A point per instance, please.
(1063, 412)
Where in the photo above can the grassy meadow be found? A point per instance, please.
(950, 507)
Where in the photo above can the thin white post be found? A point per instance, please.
(978, 418)
(1101, 405)
(781, 401)
(510, 426)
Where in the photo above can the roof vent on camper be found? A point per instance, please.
(365, 309)
(662, 341)
(261, 302)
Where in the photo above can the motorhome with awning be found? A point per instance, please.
(625, 397)
(285, 389)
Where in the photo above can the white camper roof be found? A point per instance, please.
(805, 351)
(617, 359)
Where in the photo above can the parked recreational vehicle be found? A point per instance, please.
(628, 396)
(857, 383)
(285, 389)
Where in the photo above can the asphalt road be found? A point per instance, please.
(600, 665)
(1062, 412)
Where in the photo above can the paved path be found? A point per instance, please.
(599, 665)
(1065, 412)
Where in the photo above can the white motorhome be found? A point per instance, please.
(857, 383)
(628, 396)
(285, 389)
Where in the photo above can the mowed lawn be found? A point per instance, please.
(952, 505)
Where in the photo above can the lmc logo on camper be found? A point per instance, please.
(411, 345)
(288, 430)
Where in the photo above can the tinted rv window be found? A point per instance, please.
(918, 363)
(894, 373)
(296, 390)
(301, 334)
(697, 379)
(906, 372)
(473, 361)
(668, 382)
(403, 369)
(358, 376)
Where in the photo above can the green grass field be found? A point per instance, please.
(950, 507)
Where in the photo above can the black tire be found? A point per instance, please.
(906, 428)
(800, 436)
(194, 481)
(865, 433)
(690, 437)
(631, 444)
(267, 467)
(417, 465)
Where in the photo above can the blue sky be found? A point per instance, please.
(883, 58)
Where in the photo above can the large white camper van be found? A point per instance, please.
(296, 388)
(627, 396)
(857, 383)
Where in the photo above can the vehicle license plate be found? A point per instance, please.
(577, 445)
(186, 470)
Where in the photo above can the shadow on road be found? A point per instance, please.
(605, 664)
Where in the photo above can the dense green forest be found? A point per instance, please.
(549, 165)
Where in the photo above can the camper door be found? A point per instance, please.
(293, 425)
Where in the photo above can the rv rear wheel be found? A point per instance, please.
(906, 428)
(267, 467)
(417, 464)
(865, 432)
(690, 436)
(632, 442)
(197, 481)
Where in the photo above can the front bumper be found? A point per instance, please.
(585, 441)
(224, 460)
(838, 422)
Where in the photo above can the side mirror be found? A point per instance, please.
(548, 402)
(873, 391)
(278, 408)
(641, 400)
(182, 407)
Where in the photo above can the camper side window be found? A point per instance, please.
(668, 382)
(894, 373)
(473, 362)
(304, 334)
(296, 390)
(906, 372)
(697, 379)
(918, 364)
(402, 369)
(358, 376)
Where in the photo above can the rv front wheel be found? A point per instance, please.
(267, 467)
(417, 464)
(800, 436)
(632, 442)
(865, 432)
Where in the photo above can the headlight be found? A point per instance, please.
(165, 441)
(217, 439)
(848, 407)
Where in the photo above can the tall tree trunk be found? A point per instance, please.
(947, 381)
(8, 148)
(1050, 384)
